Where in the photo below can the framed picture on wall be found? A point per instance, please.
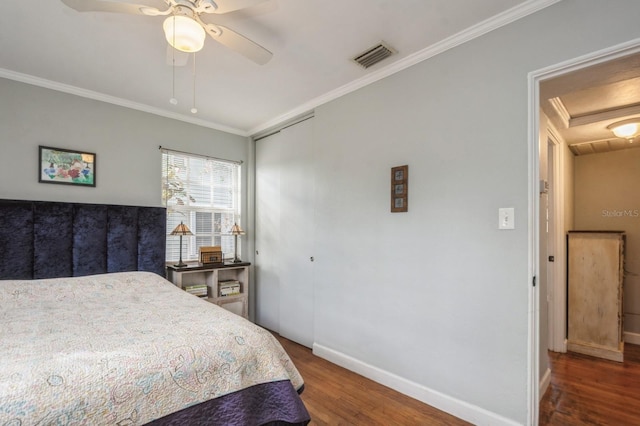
(67, 167)
(399, 189)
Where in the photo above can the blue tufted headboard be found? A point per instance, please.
(41, 239)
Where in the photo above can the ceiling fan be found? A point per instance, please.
(184, 27)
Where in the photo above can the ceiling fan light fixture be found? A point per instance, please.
(626, 129)
(184, 33)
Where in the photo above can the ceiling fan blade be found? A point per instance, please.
(109, 6)
(226, 6)
(239, 43)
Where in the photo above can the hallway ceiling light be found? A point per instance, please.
(627, 129)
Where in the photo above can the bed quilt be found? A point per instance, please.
(123, 348)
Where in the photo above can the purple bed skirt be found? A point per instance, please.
(275, 403)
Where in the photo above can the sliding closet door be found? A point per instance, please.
(297, 188)
(284, 232)
(267, 239)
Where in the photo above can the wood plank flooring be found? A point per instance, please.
(336, 396)
(583, 391)
(591, 391)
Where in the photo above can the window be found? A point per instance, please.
(204, 193)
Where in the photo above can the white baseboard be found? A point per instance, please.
(545, 382)
(461, 409)
(632, 338)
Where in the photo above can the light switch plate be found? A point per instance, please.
(506, 218)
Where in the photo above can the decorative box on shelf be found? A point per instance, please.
(211, 255)
(227, 284)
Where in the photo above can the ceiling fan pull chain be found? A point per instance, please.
(173, 100)
(194, 110)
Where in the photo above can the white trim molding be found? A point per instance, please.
(544, 383)
(631, 338)
(561, 110)
(486, 26)
(463, 410)
(97, 96)
(533, 261)
(534, 80)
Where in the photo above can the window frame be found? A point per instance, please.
(219, 183)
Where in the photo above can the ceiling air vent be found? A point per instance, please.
(373, 55)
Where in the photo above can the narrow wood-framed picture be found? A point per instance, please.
(400, 189)
(66, 166)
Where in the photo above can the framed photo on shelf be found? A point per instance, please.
(400, 189)
(65, 166)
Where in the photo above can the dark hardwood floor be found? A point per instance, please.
(583, 391)
(590, 391)
(336, 396)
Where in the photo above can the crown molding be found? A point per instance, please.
(495, 22)
(611, 114)
(561, 111)
(475, 31)
(89, 94)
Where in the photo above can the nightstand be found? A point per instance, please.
(227, 284)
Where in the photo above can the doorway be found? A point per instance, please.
(551, 148)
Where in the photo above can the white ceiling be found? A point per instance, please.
(582, 103)
(123, 58)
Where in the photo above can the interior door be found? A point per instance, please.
(551, 241)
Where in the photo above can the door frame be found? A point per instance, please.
(534, 80)
(558, 291)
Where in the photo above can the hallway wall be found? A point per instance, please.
(607, 197)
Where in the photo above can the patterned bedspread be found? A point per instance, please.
(122, 349)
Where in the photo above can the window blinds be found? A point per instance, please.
(203, 193)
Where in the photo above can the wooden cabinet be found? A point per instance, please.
(215, 278)
(595, 284)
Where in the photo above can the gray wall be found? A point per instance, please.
(607, 197)
(125, 141)
(439, 295)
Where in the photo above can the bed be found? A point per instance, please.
(92, 333)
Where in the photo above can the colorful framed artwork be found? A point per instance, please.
(65, 166)
(399, 189)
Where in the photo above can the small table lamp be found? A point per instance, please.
(235, 231)
(181, 230)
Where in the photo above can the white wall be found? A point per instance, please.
(439, 295)
(125, 141)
